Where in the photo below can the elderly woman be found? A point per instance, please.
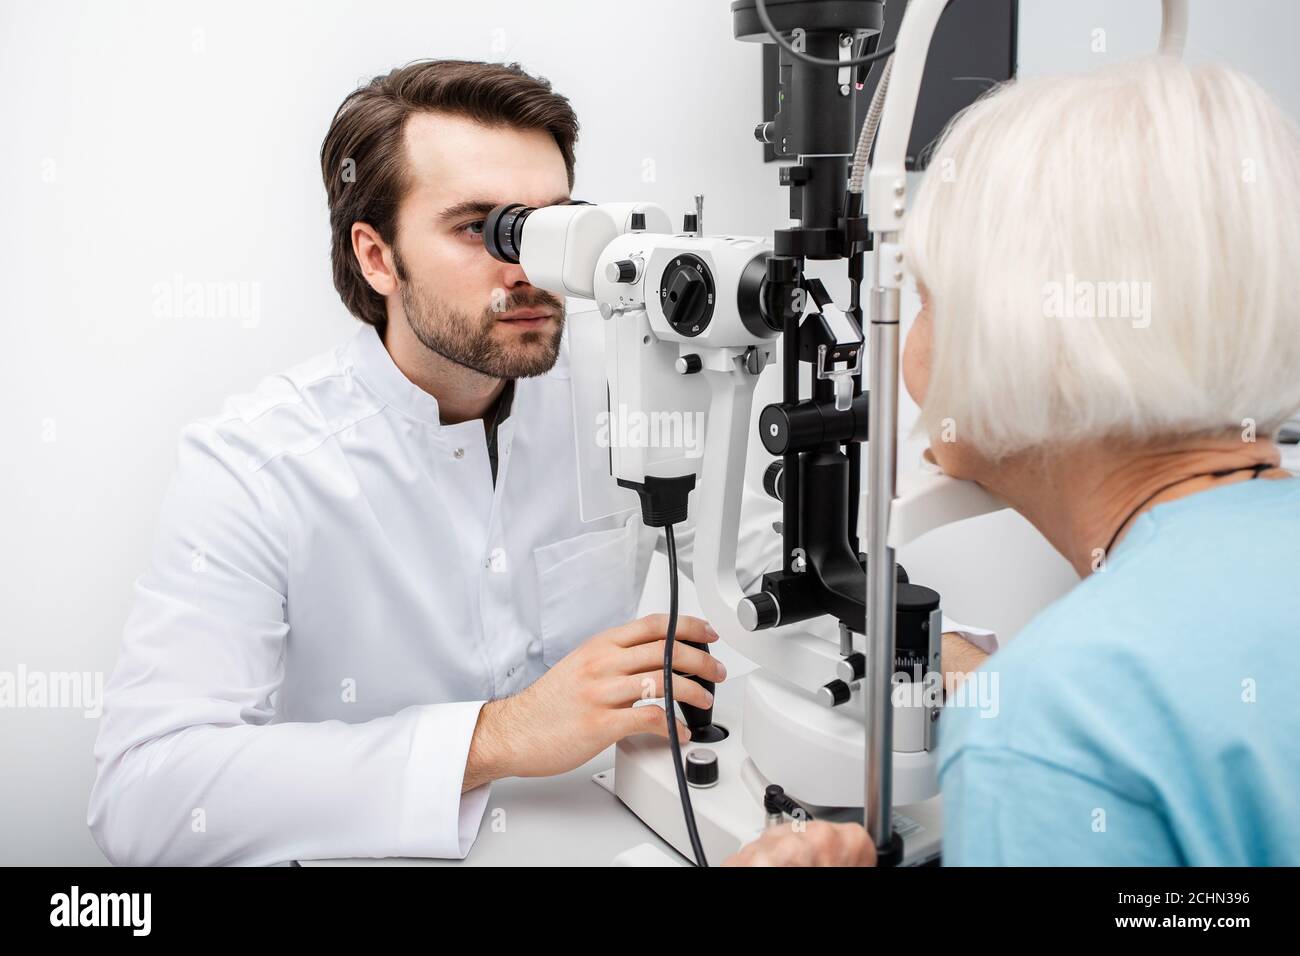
(1109, 336)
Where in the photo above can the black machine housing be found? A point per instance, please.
(819, 473)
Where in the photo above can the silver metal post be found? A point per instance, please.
(882, 453)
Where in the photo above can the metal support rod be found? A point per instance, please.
(791, 533)
(882, 453)
(886, 205)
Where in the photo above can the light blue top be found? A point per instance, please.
(1152, 715)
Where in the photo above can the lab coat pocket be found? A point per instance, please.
(585, 585)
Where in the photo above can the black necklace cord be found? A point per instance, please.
(1222, 473)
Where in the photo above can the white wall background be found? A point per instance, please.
(146, 141)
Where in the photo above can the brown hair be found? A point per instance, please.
(363, 162)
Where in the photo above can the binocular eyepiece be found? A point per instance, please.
(503, 229)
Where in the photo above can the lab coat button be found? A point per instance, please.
(458, 453)
(497, 560)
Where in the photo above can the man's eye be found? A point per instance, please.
(474, 228)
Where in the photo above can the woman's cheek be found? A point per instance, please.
(916, 361)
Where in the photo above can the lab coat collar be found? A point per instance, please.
(378, 370)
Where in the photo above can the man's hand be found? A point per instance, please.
(584, 703)
(814, 843)
(960, 659)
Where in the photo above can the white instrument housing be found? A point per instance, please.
(562, 242)
(643, 348)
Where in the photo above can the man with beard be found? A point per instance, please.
(372, 593)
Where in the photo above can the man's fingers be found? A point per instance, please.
(650, 719)
(650, 686)
(654, 627)
(687, 659)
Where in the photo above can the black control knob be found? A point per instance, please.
(624, 270)
(689, 364)
(699, 720)
(853, 667)
(758, 611)
(638, 222)
(808, 423)
(685, 298)
(774, 480)
(686, 294)
(690, 223)
(701, 767)
(835, 693)
(774, 429)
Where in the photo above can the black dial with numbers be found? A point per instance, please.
(686, 294)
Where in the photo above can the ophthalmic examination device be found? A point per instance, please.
(840, 724)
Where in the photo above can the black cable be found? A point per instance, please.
(683, 789)
(760, 6)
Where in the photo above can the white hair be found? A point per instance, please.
(1116, 254)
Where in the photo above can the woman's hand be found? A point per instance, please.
(814, 843)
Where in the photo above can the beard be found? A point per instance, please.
(470, 339)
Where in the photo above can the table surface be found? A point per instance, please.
(566, 820)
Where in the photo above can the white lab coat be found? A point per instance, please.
(336, 588)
